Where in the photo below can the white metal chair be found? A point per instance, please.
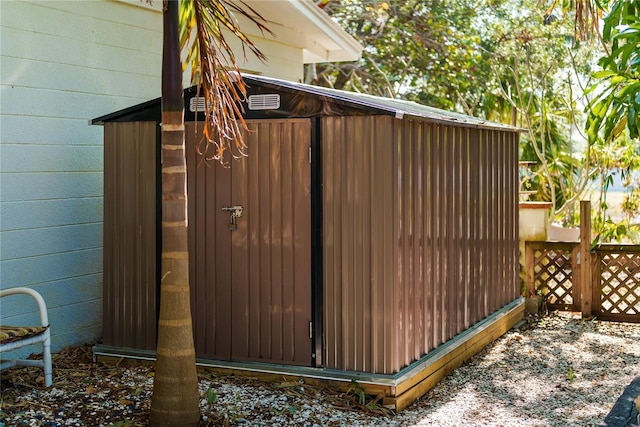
(14, 337)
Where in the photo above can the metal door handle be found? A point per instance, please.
(235, 212)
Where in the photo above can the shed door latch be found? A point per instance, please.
(235, 212)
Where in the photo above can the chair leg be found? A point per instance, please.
(46, 356)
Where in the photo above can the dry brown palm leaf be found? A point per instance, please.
(215, 70)
(587, 14)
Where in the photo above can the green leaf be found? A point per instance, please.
(632, 121)
(623, 53)
(212, 397)
(631, 90)
(617, 79)
(603, 74)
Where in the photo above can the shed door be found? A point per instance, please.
(252, 279)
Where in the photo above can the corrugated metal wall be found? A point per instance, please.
(419, 240)
(129, 281)
(420, 236)
(358, 243)
(251, 288)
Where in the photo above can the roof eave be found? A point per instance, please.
(346, 49)
(123, 112)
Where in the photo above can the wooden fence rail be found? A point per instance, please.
(607, 285)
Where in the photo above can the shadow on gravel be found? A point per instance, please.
(550, 383)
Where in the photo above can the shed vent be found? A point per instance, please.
(196, 104)
(270, 101)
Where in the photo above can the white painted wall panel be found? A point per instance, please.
(39, 31)
(283, 61)
(64, 63)
(27, 214)
(58, 131)
(49, 240)
(50, 158)
(73, 78)
(40, 102)
(48, 268)
(47, 186)
(104, 23)
(79, 289)
(22, 44)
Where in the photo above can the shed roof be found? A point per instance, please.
(351, 103)
(397, 107)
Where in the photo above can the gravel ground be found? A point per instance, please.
(554, 371)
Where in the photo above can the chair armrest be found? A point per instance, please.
(42, 306)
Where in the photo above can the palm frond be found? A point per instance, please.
(587, 15)
(206, 24)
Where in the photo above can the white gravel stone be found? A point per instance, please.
(556, 371)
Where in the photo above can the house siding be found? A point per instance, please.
(62, 64)
(283, 61)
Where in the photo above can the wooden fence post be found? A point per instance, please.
(528, 271)
(595, 281)
(576, 278)
(586, 280)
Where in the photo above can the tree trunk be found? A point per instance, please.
(175, 399)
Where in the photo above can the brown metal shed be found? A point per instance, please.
(375, 236)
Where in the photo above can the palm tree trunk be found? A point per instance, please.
(175, 390)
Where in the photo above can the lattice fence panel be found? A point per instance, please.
(552, 275)
(620, 283)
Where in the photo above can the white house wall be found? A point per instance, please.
(283, 61)
(63, 63)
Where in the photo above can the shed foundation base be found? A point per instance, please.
(399, 390)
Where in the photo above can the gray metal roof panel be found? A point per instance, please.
(397, 107)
